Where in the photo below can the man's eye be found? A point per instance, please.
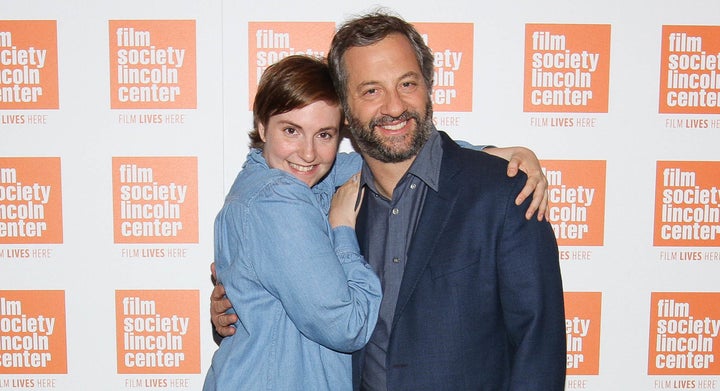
(290, 130)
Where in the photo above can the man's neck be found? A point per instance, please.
(388, 175)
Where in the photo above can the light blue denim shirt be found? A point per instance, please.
(303, 293)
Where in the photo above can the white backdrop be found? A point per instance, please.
(78, 302)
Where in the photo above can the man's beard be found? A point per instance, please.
(392, 149)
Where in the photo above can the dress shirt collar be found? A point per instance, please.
(426, 166)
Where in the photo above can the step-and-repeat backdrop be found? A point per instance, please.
(122, 125)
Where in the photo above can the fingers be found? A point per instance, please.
(527, 191)
(343, 206)
(351, 185)
(219, 304)
(224, 324)
(534, 206)
(359, 201)
(513, 166)
(218, 293)
(543, 206)
(225, 320)
(541, 196)
(537, 187)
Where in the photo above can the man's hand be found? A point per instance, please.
(219, 305)
(521, 158)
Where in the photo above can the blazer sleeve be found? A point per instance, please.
(531, 295)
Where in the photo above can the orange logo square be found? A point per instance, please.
(452, 46)
(155, 199)
(158, 331)
(30, 200)
(29, 73)
(32, 330)
(687, 204)
(152, 64)
(576, 209)
(582, 326)
(269, 42)
(684, 328)
(689, 80)
(567, 68)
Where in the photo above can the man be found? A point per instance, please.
(472, 292)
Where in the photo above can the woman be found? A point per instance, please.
(285, 248)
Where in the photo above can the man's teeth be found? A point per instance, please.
(395, 127)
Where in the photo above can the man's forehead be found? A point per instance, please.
(393, 39)
(392, 54)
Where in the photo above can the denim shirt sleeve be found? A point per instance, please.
(467, 145)
(326, 288)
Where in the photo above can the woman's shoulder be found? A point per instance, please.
(258, 184)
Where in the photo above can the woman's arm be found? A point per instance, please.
(536, 185)
(322, 281)
(519, 158)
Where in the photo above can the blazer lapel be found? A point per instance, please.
(434, 218)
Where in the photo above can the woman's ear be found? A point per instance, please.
(261, 132)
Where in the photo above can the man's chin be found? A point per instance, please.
(393, 155)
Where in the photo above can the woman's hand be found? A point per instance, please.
(342, 207)
(536, 185)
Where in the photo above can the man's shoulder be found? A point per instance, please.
(473, 162)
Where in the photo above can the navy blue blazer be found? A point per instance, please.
(481, 301)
